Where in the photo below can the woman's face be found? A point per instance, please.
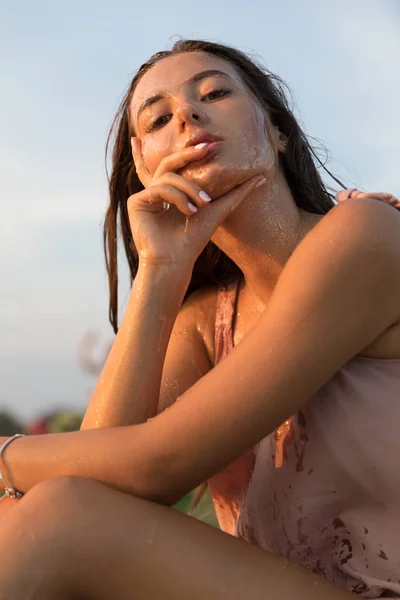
(184, 96)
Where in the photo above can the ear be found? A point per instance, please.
(282, 141)
(279, 139)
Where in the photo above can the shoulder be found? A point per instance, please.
(366, 223)
(359, 238)
(201, 304)
(357, 247)
(344, 278)
(199, 313)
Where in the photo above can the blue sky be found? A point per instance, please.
(64, 68)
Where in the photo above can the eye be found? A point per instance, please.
(215, 94)
(163, 120)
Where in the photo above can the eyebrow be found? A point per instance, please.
(198, 77)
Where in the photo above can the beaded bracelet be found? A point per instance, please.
(9, 490)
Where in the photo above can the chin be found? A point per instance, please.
(217, 179)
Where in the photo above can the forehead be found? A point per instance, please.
(170, 73)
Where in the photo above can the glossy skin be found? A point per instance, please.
(185, 445)
(164, 237)
(171, 167)
(219, 104)
(56, 513)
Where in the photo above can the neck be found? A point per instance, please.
(259, 236)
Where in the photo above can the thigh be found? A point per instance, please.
(117, 546)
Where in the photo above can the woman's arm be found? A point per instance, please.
(189, 353)
(186, 361)
(338, 292)
(128, 389)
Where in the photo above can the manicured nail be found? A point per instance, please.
(192, 207)
(202, 145)
(260, 183)
(134, 144)
(204, 197)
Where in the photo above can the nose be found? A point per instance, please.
(188, 114)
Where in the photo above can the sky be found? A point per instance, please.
(64, 68)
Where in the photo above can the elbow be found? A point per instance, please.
(156, 472)
(169, 500)
(163, 486)
(155, 482)
(164, 489)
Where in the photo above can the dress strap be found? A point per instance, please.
(227, 297)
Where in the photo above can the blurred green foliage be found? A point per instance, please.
(9, 425)
(204, 511)
(65, 421)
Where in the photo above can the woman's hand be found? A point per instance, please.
(177, 235)
(354, 193)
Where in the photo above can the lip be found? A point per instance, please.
(202, 137)
(213, 148)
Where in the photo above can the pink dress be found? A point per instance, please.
(324, 489)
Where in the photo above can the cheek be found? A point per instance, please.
(253, 145)
(152, 155)
(154, 149)
(151, 152)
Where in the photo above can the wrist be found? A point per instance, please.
(157, 291)
(2, 440)
(177, 277)
(6, 482)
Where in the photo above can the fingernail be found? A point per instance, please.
(134, 144)
(192, 207)
(202, 145)
(204, 197)
(260, 183)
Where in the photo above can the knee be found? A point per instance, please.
(65, 487)
(61, 499)
(57, 510)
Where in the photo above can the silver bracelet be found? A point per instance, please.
(9, 490)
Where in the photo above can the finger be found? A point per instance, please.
(178, 160)
(355, 193)
(345, 194)
(141, 170)
(197, 196)
(151, 199)
(376, 194)
(223, 206)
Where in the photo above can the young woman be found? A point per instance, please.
(277, 380)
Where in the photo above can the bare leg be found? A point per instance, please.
(74, 538)
(6, 505)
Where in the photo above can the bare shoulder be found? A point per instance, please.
(200, 310)
(375, 224)
(366, 223)
(190, 352)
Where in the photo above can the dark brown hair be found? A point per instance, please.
(212, 266)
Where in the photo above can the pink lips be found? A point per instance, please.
(202, 137)
(213, 149)
(214, 145)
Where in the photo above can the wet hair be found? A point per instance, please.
(212, 266)
(299, 165)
